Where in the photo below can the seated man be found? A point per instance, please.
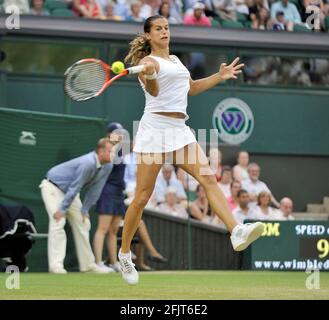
(290, 12)
(167, 178)
(286, 208)
(254, 186)
(225, 182)
(242, 211)
(171, 206)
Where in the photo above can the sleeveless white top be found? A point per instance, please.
(174, 85)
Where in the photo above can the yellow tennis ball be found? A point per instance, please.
(117, 67)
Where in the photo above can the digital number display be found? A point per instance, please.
(314, 248)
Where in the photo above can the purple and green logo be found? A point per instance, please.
(233, 120)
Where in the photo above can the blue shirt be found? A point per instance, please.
(78, 173)
(130, 170)
(161, 186)
(290, 11)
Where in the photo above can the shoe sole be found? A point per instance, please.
(253, 235)
(130, 283)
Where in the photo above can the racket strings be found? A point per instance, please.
(85, 80)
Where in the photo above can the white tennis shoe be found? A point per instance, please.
(129, 273)
(244, 234)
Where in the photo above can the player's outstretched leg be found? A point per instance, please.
(146, 175)
(242, 235)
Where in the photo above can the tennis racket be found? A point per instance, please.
(88, 78)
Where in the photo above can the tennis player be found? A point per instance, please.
(162, 130)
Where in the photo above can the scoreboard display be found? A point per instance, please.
(290, 245)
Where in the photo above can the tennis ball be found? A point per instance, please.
(117, 67)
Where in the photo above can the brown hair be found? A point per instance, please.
(140, 47)
(263, 194)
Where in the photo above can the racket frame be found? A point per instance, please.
(108, 79)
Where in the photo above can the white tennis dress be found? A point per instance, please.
(157, 133)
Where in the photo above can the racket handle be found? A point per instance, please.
(136, 69)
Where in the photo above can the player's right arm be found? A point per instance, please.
(151, 67)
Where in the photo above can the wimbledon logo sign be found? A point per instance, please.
(233, 120)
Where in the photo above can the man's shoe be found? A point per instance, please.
(58, 270)
(109, 269)
(129, 273)
(94, 268)
(244, 234)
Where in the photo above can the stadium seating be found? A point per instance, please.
(301, 28)
(241, 17)
(59, 8)
(232, 24)
(55, 4)
(62, 12)
(326, 23)
(215, 23)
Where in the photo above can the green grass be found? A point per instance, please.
(198, 285)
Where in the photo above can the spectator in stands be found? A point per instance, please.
(167, 178)
(189, 183)
(242, 211)
(60, 191)
(263, 211)
(164, 11)
(171, 205)
(241, 7)
(240, 170)
(255, 6)
(176, 9)
(37, 8)
(110, 206)
(198, 17)
(22, 5)
(122, 8)
(200, 208)
(155, 5)
(326, 7)
(135, 8)
(254, 186)
(145, 242)
(87, 9)
(146, 10)
(233, 199)
(215, 162)
(225, 182)
(109, 12)
(102, 5)
(226, 9)
(279, 23)
(261, 20)
(286, 208)
(290, 11)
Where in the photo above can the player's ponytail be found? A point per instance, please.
(140, 47)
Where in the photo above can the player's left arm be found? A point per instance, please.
(225, 72)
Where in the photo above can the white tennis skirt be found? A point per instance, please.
(159, 134)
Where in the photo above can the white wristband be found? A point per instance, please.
(152, 76)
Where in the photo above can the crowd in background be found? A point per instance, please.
(279, 15)
(179, 194)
